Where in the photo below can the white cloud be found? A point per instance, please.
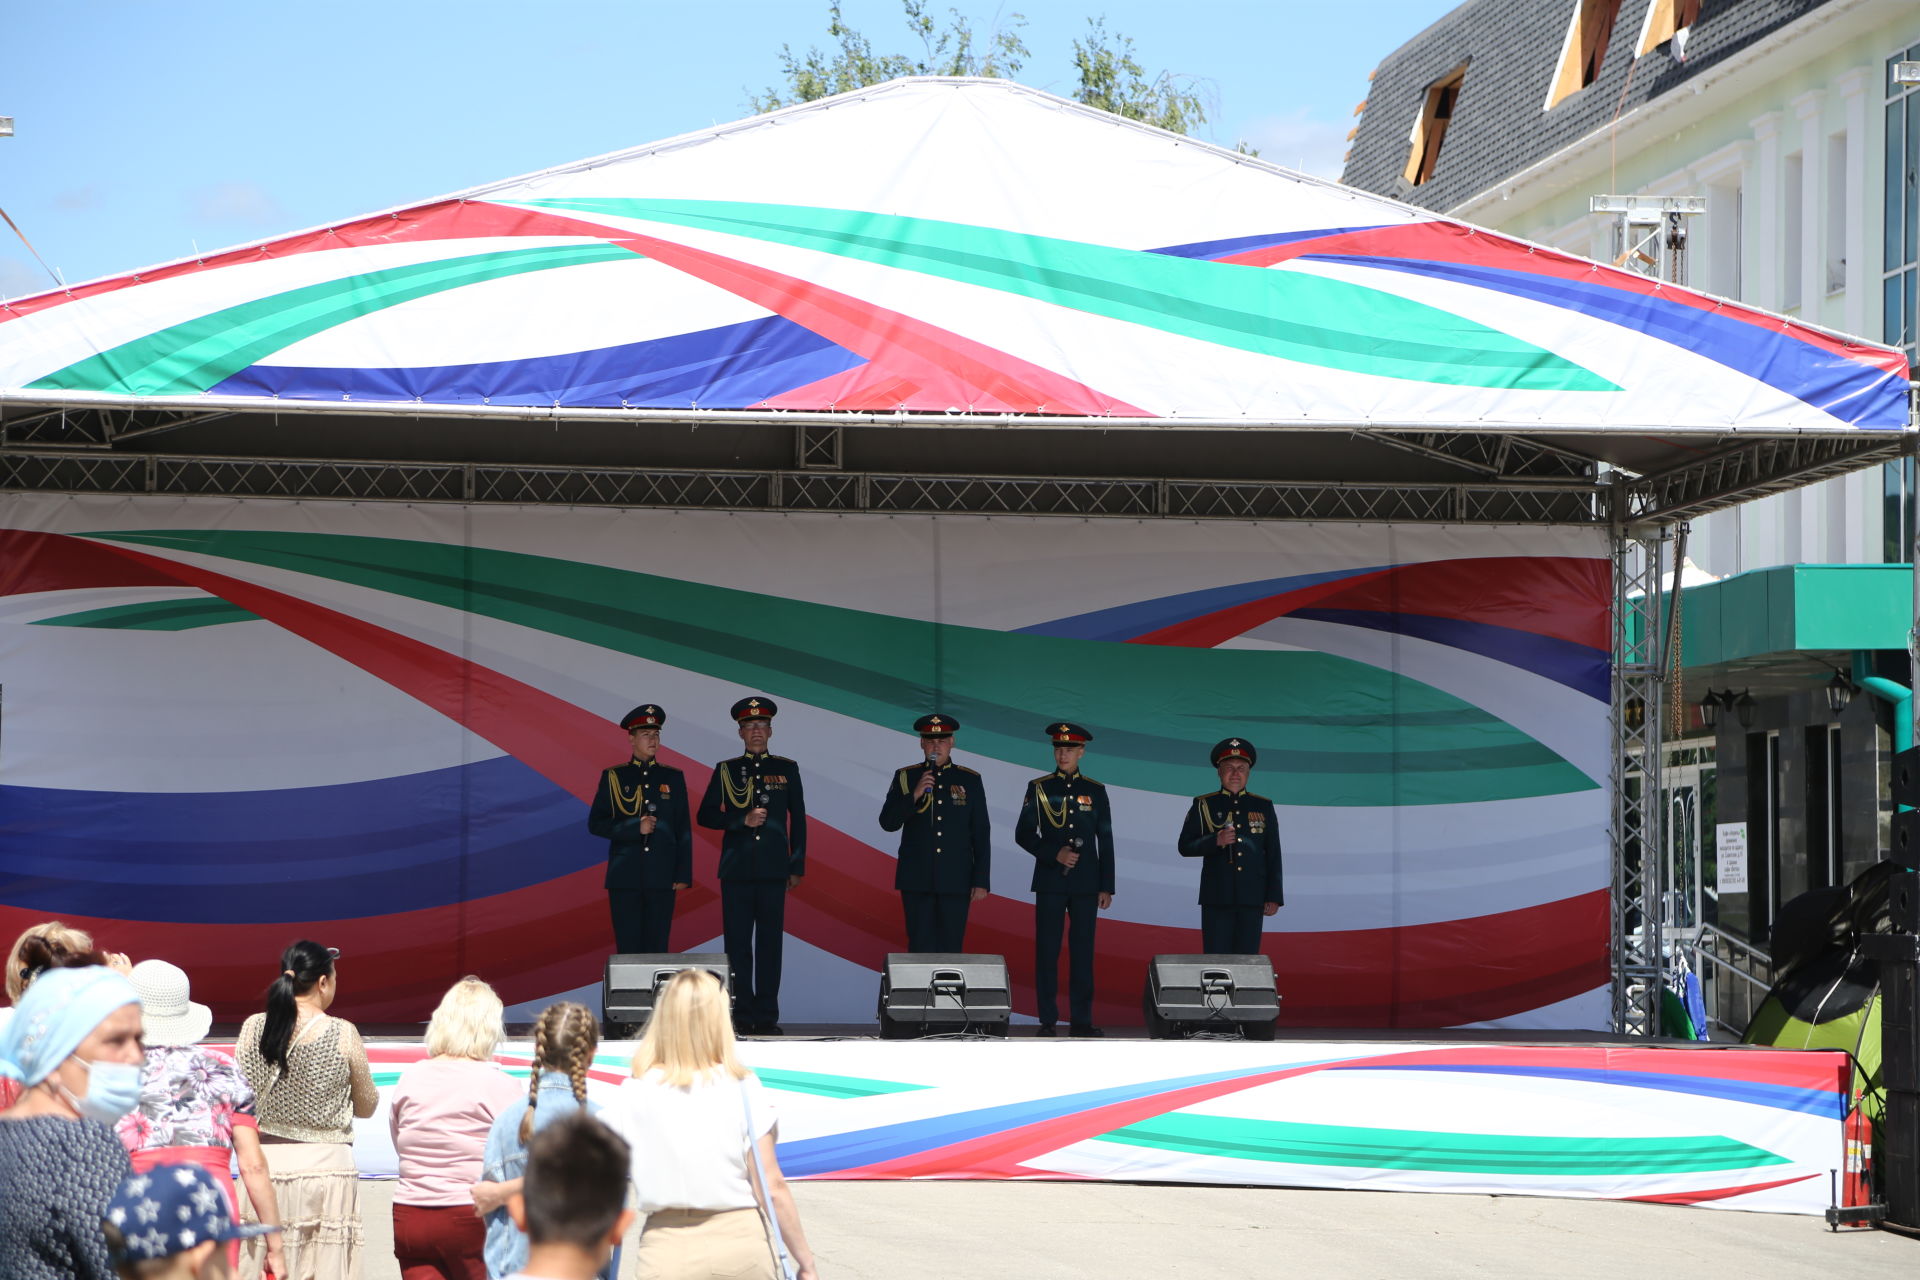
(242, 202)
(75, 199)
(1298, 141)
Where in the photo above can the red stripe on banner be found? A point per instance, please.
(444, 220)
(1717, 1193)
(1211, 629)
(1000, 1156)
(1471, 246)
(910, 350)
(1825, 1070)
(31, 562)
(1565, 597)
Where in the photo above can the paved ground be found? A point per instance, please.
(990, 1230)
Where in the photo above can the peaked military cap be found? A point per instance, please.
(935, 726)
(1233, 749)
(1067, 734)
(644, 716)
(755, 708)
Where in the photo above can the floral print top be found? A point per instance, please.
(190, 1096)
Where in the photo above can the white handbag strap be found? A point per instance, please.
(767, 1211)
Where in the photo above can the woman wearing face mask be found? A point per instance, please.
(74, 1047)
(310, 1078)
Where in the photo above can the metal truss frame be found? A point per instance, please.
(1638, 722)
(1564, 501)
(1752, 469)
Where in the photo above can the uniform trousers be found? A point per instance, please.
(642, 920)
(753, 919)
(935, 921)
(1077, 912)
(1231, 931)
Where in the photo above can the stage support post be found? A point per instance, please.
(1642, 663)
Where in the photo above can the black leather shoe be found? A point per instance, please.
(1086, 1033)
(1046, 1029)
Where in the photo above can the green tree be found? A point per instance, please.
(1112, 79)
(1110, 76)
(947, 51)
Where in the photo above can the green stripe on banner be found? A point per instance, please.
(1356, 734)
(189, 358)
(824, 1086)
(387, 1079)
(1306, 318)
(153, 615)
(1548, 1155)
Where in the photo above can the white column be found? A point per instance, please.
(1716, 258)
(1761, 270)
(1813, 190)
(1852, 88)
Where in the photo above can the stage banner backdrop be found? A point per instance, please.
(1728, 1128)
(230, 724)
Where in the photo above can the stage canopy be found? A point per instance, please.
(969, 254)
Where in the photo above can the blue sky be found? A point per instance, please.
(144, 128)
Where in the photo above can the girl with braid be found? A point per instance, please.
(564, 1039)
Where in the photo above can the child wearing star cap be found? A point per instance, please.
(171, 1224)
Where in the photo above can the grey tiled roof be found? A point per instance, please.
(1511, 48)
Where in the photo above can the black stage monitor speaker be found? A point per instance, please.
(1186, 994)
(1906, 777)
(925, 992)
(626, 994)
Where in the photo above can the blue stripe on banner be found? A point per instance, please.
(1124, 622)
(833, 1152)
(1242, 244)
(729, 367)
(306, 853)
(1566, 662)
(1852, 392)
(1816, 1102)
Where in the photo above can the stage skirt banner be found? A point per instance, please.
(230, 724)
(1728, 1128)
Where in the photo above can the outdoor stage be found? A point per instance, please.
(1721, 1126)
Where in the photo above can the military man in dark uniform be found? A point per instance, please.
(1066, 825)
(641, 810)
(757, 801)
(1234, 832)
(940, 810)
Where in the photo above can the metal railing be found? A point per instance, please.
(1735, 977)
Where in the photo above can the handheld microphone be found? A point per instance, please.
(1075, 844)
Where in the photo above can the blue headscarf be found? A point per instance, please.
(59, 1011)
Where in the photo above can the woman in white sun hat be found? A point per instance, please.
(195, 1106)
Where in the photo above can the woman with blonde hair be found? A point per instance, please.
(696, 1120)
(440, 1111)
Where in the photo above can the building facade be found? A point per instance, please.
(1788, 118)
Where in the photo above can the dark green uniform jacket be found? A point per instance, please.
(775, 850)
(1057, 808)
(1244, 874)
(945, 844)
(634, 861)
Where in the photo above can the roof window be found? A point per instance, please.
(1665, 20)
(1584, 48)
(1430, 128)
